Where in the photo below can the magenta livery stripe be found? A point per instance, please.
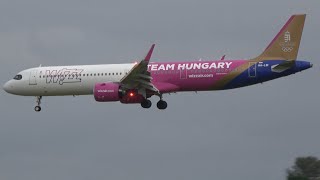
(185, 76)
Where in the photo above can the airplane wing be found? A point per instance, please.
(139, 77)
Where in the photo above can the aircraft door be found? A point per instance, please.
(183, 73)
(252, 70)
(33, 77)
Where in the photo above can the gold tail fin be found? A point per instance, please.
(286, 44)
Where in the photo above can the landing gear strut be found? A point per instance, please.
(161, 103)
(146, 104)
(38, 108)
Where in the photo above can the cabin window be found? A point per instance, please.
(98, 74)
(112, 73)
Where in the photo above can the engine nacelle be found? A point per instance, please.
(104, 92)
(107, 92)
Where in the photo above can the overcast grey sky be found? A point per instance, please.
(249, 133)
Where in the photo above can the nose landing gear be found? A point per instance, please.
(38, 108)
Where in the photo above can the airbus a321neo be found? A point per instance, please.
(135, 83)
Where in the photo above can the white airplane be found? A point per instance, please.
(136, 82)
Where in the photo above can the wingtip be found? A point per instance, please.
(148, 56)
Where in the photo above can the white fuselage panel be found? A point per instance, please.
(67, 80)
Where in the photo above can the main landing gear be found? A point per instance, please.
(38, 108)
(146, 103)
(160, 105)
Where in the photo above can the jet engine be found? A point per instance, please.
(104, 92)
(108, 92)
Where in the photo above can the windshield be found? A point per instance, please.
(18, 77)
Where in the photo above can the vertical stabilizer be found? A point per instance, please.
(286, 44)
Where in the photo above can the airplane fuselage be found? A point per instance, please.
(136, 82)
(167, 76)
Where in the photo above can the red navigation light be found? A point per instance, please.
(131, 94)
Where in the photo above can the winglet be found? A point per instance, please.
(148, 56)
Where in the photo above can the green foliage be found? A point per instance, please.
(297, 178)
(305, 168)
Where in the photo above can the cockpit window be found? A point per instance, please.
(18, 77)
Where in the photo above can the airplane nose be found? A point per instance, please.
(6, 87)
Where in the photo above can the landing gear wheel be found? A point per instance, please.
(162, 104)
(146, 104)
(37, 108)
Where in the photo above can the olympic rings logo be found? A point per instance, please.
(287, 49)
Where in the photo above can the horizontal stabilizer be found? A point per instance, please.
(282, 67)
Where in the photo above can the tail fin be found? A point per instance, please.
(286, 44)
